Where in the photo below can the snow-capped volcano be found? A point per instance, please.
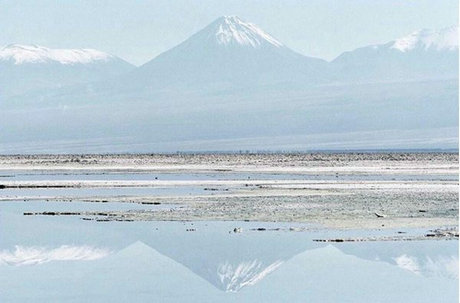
(424, 54)
(228, 52)
(22, 54)
(444, 39)
(32, 67)
(232, 30)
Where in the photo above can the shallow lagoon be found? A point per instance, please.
(183, 190)
(38, 175)
(66, 259)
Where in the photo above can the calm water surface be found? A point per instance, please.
(66, 259)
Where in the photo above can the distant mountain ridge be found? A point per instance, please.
(23, 54)
(233, 86)
(229, 53)
(422, 55)
(232, 54)
(428, 39)
(25, 68)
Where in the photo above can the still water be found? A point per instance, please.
(66, 259)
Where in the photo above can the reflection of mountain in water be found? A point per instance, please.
(328, 275)
(442, 266)
(428, 259)
(233, 278)
(230, 277)
(232, 262)
(136, 273)
(139, 273)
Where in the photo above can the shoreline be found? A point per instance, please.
(341, 191)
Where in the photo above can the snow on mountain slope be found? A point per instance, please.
(228, 52)
(233, 30)
(422, 55)
(25, 68)
(229, 31)
(444, 39)
(21, 54)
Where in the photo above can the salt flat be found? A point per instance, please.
(345, 190)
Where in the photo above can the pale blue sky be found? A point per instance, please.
(139, 30)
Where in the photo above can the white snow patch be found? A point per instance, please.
(38, 255)
(233, 30)
(444, 39)
(21, 54)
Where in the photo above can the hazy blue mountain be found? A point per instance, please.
(25, 68)
(365, 116)
(231, 86)
(229, 52)
(423, 55)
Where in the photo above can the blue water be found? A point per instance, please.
(208, 262)
(107, 175)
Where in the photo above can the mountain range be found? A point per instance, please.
(232, 86)
(422, 55)
(31, 67)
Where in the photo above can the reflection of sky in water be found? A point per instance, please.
(104, 192)
(91, 175)
(171, 191)
(77, 206)
(66, 259)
